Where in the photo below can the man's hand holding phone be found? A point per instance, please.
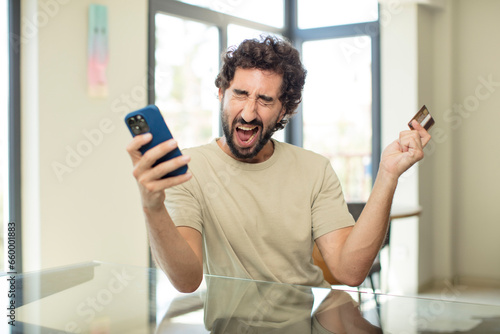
(158, 162)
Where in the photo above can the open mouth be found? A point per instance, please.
(246, 134)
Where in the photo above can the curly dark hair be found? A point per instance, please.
(272, 54)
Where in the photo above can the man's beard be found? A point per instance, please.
(250, 152)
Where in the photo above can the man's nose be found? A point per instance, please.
(249, 112)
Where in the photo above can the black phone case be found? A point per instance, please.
(158, 128)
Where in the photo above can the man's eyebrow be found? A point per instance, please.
(265, 98)
(240, 91)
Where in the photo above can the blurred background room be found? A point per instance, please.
(67, 182)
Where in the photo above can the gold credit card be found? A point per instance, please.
(423, 116)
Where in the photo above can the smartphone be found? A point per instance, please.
(149, 119)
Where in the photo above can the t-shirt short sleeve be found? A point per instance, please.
(329, 209)
(183, 207)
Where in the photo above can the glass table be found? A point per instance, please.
(98, 297)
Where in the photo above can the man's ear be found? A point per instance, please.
(282, 114)
(221, 94)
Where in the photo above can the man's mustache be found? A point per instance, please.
(242, 121)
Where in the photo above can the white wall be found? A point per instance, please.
(476, 181)
(88, 208)
(461, 223)
(399, 102)
(451, 55)
(436, 230)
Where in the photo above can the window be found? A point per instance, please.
(236, 34)
(268, 12)
(341, 109)
(337, 117)
(184, 87)
(340, 114)
(184, 78)
(335, 12)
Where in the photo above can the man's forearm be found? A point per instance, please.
(363, 241)
(172, 252)
(369, 232)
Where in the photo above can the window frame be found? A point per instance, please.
(293, 131)
(194, 13)
(370, 29)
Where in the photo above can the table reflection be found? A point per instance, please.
(245, 306)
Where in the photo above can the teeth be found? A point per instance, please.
(246, 128)
(250, 139)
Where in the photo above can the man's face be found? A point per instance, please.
(250, 109)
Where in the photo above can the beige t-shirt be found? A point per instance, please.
(259, 221)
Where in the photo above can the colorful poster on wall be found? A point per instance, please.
(98, 55)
